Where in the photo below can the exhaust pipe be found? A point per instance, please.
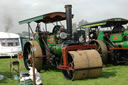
(68, 9)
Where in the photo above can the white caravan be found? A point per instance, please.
(10, 44)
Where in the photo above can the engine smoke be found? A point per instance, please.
(8, 23)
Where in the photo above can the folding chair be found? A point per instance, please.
(14, 66)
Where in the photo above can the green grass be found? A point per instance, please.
(111, 75)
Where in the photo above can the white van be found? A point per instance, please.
(10, 44)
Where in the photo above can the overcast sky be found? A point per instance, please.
(12, 11)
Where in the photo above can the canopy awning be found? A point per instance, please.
(46, 18)
(106, 23)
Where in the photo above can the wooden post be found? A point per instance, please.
(33, 65)
(10, 67)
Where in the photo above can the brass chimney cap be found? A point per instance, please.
(68, 6)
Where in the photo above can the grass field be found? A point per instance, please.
(111, 75)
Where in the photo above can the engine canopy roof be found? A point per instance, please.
(46, 18)
(106, 23)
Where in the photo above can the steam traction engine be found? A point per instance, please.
(61, 48)
(111, 38)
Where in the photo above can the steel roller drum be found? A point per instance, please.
(84, 59)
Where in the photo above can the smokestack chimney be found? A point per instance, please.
(68, 9)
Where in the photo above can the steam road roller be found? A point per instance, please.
(111, 38)
(60, 47)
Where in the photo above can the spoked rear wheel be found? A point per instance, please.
(28, 55)
(102, 49)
